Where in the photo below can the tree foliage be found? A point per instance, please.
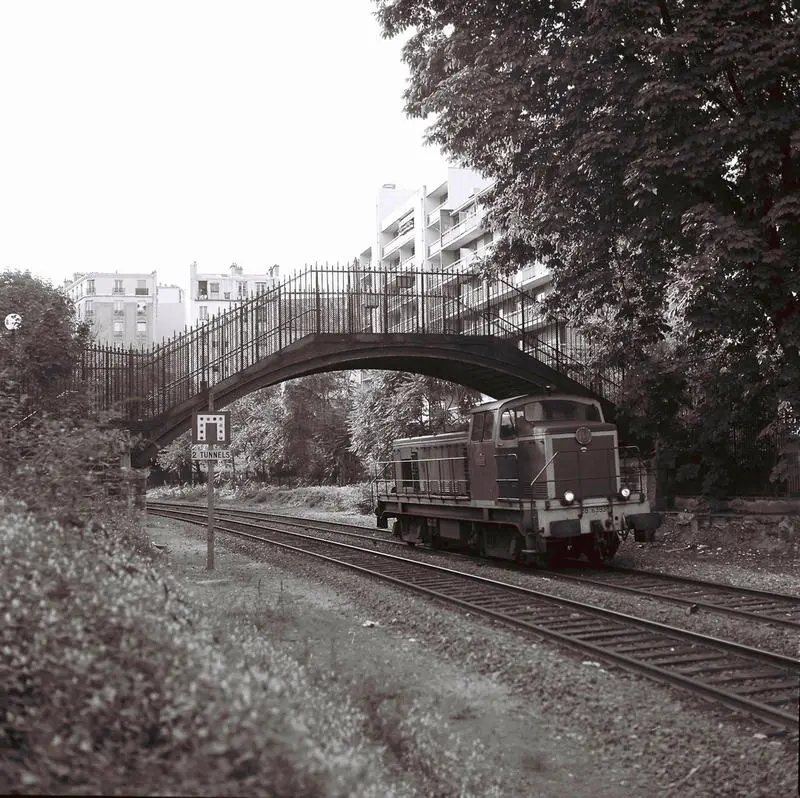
(317, 436)
(58, 462)
(647, 152)
(37, 358)
(259, 424)
(394, 404)
(176, 458)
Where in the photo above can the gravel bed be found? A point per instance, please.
(765, 636)
(649, 739)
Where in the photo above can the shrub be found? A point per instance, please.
(113, 683)
(68, 470)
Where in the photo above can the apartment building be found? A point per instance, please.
(443, 231)
(127, 309)
(121, 308)
(211, 293)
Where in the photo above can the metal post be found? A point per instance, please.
(316, 294)
(210, 536)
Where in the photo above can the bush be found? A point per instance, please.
(112, 683)
(69, 470)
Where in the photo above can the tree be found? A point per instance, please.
(647, 152)
(317, 436)
(38, 358)
(259, 433)
(394, 404)
(176, 458)
(60, 463)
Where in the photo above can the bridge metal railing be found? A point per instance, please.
(144, 383)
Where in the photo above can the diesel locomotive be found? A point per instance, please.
(534, 479)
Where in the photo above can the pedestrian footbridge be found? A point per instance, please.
(488, 335)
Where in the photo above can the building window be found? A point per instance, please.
(242, 290)
(202, 289)
(119, 307)
(89, 307)
(119, 327)
(215, 289)
(119, 287)
(90, 287)
(141, 288)
(141, 327)
(261, 288)
(203, 316)
(405, 224)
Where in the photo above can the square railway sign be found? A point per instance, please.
(211, 428)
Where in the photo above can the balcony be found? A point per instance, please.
(118, 291)
(532, 276)
(463, 264)
(435, 216)
(435, 247)
(397, 242)
(408, 263)
(459, 233)
(142, 292)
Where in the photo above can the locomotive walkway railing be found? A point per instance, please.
(143, 384)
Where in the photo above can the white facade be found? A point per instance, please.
(443, 229)
(170, 311)
(119, 307)
(127, 308)
(438, 229)
(211, 293)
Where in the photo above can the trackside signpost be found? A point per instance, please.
(211, 436)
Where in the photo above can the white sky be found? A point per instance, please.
(141, 136)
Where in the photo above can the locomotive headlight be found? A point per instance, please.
(625, 493)
(569, 497)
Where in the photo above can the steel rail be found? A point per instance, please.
(659, 653)
(782, 602)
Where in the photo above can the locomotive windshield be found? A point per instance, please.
(560, 410)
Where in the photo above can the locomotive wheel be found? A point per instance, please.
(604, 548)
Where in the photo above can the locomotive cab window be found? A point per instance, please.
(488, 426)
(561, 410)
(507, 426)
(524, 427)
(477, 426)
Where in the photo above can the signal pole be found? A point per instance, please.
(210, 535)
(212, 430)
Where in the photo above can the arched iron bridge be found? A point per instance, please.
(485, 335)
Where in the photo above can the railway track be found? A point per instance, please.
(760, 684)
(760, 606)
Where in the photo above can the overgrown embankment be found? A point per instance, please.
(113, 683)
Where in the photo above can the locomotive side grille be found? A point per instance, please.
(540, 489)
(589, 471)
